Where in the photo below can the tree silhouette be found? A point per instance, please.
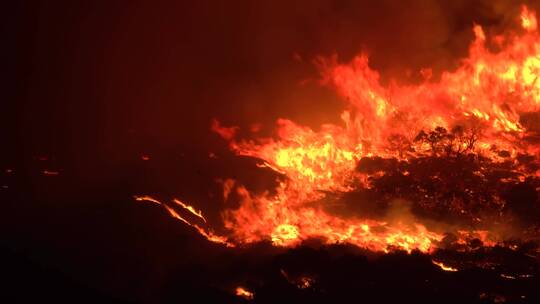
(452, 182)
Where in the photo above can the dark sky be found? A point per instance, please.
(93, 85)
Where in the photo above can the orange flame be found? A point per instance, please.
(244, 293)
(209, 235)
(528, 19)
(444, 267)
(486, 95)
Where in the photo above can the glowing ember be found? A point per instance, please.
(208, 234)
(190, 209)
(244, 293)
(507, 276)
(444, 267)
(302, 282)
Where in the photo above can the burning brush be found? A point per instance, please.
(450, 166)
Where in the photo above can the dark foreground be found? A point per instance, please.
(106, 248)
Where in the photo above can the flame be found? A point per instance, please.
(209, 235)
(444, 267)
(528, 19)
(302, 282)
(190, 209)
(481, 102)
(487, 93)
(484, 236)
(244, 293)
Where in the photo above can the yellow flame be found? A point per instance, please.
(244, 293)
(528, 19)
(444, 267)
(487, 91)
(209, 235)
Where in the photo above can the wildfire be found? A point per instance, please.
(477, 108)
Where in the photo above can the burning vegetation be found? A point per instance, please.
(448, 167)
(449, 159)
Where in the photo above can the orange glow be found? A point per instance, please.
(288, 224)
(444, 267)
(482, 99)
(528, 19)
(464, 237)
(190, 209)
(207, 233)
(244, 293)
(485, 95)
(301, 282)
